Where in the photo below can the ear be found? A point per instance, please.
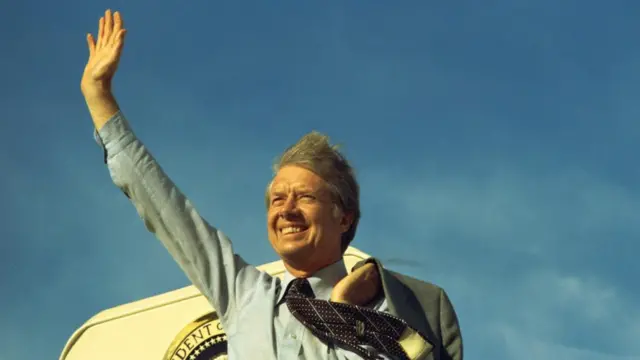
(346, 221)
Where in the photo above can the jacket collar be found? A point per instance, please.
(402, 301)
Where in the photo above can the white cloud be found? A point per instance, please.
(544, 314)
(516, 292)
(522, 346)
(523, 212)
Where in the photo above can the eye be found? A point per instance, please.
(276, 200)
(307, 197)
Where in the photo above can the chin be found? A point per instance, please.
(291, 248)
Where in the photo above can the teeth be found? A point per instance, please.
(291, 230)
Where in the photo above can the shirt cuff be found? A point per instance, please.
(114, 136)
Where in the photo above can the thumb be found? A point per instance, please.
(91, 44)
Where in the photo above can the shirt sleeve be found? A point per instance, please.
(203, 252)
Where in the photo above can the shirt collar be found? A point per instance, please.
(322, 282)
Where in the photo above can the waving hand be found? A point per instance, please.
(104, 56)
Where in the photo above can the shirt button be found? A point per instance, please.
(293, 336)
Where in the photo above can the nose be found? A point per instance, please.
(289, 207)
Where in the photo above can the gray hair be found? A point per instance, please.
(314, 153)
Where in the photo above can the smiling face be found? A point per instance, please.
(305, 227)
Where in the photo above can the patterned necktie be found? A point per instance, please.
(349, 326)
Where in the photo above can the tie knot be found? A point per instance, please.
(300, 287)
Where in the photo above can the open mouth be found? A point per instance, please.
(291, 230)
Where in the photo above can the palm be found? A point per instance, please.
(102, 65)
(104, 54)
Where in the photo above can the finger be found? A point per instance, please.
(117, 25)
(100, 33)
(91, 44)
(108, 26)
(119, 42)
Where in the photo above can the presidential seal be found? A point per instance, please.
(202, 339)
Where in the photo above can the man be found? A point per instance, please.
(312, 215)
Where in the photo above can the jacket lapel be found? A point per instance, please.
(402, 302)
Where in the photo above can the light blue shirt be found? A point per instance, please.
(249, 302)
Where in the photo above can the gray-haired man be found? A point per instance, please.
(312, 216)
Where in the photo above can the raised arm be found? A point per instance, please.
(204, 253)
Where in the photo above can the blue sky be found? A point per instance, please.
(495, 142)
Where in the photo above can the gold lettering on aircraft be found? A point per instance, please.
(202, 339)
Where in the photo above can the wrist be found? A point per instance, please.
(95, 90)
(102, 105)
